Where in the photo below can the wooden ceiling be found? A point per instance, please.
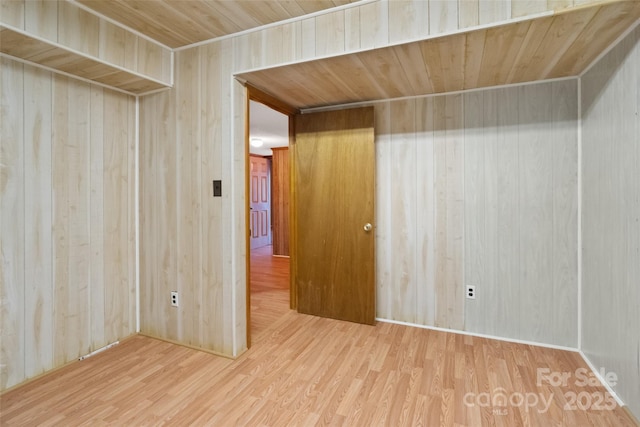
(178, 23)
(560, 45)
(51, 55)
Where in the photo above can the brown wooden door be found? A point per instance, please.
(260, 221)
(334, 183)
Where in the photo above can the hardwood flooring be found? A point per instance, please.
(304, 370)
(269, 290)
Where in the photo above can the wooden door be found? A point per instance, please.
(260, 205)
(333, 196)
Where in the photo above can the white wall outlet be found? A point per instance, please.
(470, 292)
(174, 298)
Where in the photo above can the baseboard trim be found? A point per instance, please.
(192, 347)
(606, 385)
(59, 368)
(473, 334)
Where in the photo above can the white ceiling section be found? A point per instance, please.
(271, 126)
(559, 45)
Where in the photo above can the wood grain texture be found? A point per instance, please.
(307, 371)
(610, 215)
(69, 208)
(202, 20)
(12, 203)
(521, 212)
(185, 230)
(281, 191)
(335, 256)
(419, 260)
(57, 57)
(536, 49)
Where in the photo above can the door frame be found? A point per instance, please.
(255, 94)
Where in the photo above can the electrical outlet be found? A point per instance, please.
(471, 292)
(174, 298)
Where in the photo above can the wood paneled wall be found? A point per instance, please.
(186, 234)
(480, 189)
(521, 201)
(67, 200)
(420, 223)
(611, 216)
(65, 23)
(280, 201)
(202, 119)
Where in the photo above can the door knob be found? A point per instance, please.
(368, 227)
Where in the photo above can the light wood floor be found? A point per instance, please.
(305, 370)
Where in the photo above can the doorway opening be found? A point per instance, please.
(268, 294)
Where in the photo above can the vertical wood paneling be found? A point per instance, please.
(165, 238)
(212, 255)
(308, 30)
(403, 200)
(239, 199)
(116, 165)
(425, 200)
(37, 222)
(77, 166)
(469, 12)
(55, 288)
(41, 18)
(536, 209)
(352, 29)
(330, 34)
(118, 46)
(12, 209)
(493, 11)
(384, 189)
(507, 307)
(284, 38)
(97, 162)
(527, 7)
(443, 16)
(408, 19)
(61, 232)
(79, 29)
(475, 201)
(433, 129)
(188, 202)
(500, 168)
(281, 201)
(565, 209)
(224, 341)
(611, 216)
(374, 24)
(65, 23)
(12, 12)
(455, 211)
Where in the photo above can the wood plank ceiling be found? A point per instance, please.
(180, 23)
(22, 45)
(555, 46)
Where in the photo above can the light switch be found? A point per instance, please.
(217, 188)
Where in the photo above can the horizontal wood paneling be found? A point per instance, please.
(521, 212)
(611, 216)
(67, 234)
(64, 23)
